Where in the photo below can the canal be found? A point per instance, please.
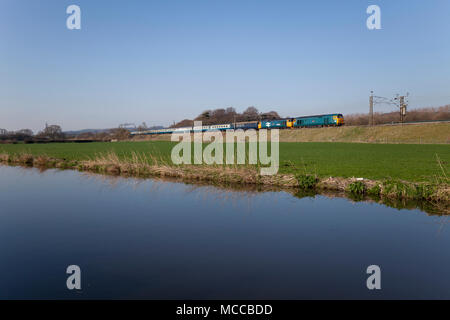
(158, 239)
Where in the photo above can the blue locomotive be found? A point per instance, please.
(324, 120)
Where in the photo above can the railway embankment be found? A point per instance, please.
(416, 133)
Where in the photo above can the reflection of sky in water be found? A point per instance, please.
(151, 239)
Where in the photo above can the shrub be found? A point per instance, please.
(424, 191)
(357, 187)
(374, 191)
(306, 181)
(406, 190)
(397, 188)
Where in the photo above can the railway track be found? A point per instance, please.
(404, 123)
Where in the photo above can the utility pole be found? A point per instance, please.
(402, 109)
(371, 109)
(402, 104)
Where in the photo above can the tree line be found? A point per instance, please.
(105, 135)
(54, 133)
(50, 132)
(229, 115)
(419, 114)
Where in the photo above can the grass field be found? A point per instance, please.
(410, 162)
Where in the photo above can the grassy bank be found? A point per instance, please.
(426, 133)
(396, 171)
(415, 163)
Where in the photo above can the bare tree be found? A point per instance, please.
(228, 115)
(183, 123)
(250, 114)
(25, 132)
(142, 127)
(119, 133)
(271, 115)
(204, 117)
(53, 132)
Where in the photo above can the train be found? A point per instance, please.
(323, 120)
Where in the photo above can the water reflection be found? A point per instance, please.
(159, 239)
(210, 189)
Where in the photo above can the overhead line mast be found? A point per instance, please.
(399, 101)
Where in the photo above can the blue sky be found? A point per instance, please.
(164, 61)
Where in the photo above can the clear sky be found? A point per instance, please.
(163, 61)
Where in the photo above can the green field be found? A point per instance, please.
(410, 162)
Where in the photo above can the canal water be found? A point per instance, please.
(166, 240)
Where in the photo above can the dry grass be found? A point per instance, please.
(41, 161)
(4, 157)
(436, 133)
(143, 165)
(22, 158)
